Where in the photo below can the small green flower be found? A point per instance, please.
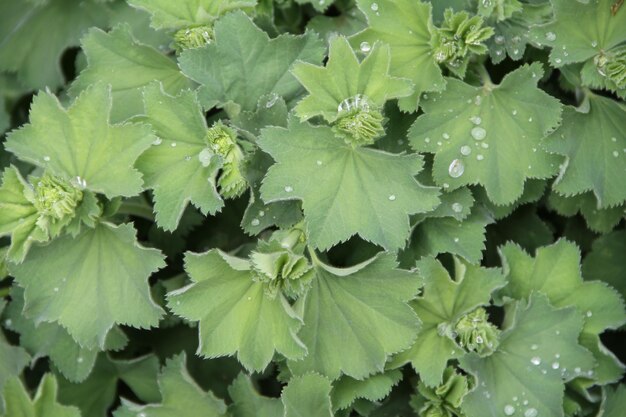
(612, 65)
(56, 198)
(444, 400)
(358, 122)
(458, 37)
(476, 334)
(195, 37)
(222, 140)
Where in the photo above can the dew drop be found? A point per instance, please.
(456, 168)
(374, 7)
(465, 150)
(514, 112)
(480, 157)
(80, 359)
(261, 213)
(173, 145)
(205, 157)
(577, 370)
(273, 99)
(558, 60)
(457, 207)
(187, 158)
(427, 140)
(255, 222)
(555, 365)
(141, 415)
(157, 141)
(499, 39)
(56, 289)
(365, 47)
(478, 133)
(46, 158)
(8, 322)
(531, 412)
(615, 154)
(392, 197)
(476, 120)
(288, 188)
(530, 119)
(445, 136)
(509, 410)
(318, 162)
(594, 44)
(613, 139)
(484, 145)
(589, 314)
(479, 339)
(535, 360)
(551, 36)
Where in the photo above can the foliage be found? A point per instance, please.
(333, 208)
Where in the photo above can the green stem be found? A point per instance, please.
(137, 209)
(484, 76)
(314, 259)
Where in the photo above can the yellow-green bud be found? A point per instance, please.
(222, 141)
(612, 65)
(282, 270)
(476, 334)
(56, 198)
(358, 122)
(445, 399)
(193, 37)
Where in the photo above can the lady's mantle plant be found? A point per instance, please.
(312, 208)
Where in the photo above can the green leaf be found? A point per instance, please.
(90, 282)
(495, 141)
(18, 215)
(242, 319)
(606, 261)
(118, 59)
(347, 390)
(181, 396)
(13, 359)
(177, 168)
(350, 78)
(80, 145)
(355, 318)
(247, 402)
(359, 200)
(435, 235)
(307, 395)
(594, 145)
(589, 32)
(188, 13)
(555, 272)
(33, 38)
(44, 404)
(95, 395)
(598, 220)
(243, 64)
(51, 339)
(443, 303)
(406, 26)
(614, 401)
(536, 354)
(533, 191)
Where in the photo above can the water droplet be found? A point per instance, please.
(357, 102)
(479, 339)
(392, 197)
(515, 51)
(499, 39)
(478, 133)
(514, 112)
(531, 412)
(272, 100)
(446, 185)
(261, 213)
(476, 120)
(427, 140)
(173, 145)
(530, 119)
(8, 322)
(615, 154)
(465, 150)
(558, 61)
(478, 100)
(439, 143)
(577, 370)
(374, 6)
(457, 207)
(177, 303)
(534, 347)
(536, 360)
(589, 314)
(484, 145)
(288, 188)
(365, 47)
(557, 356)
(46, 158)
(255, 222)
(318, 162)
(509, 410)
(456, 168)
(551, 36)
(594, 44)
(613, 139)
(249, 298)
(445, 136)
(187, 158)
(157, 141)
(555, 365)
(56, 289)
(80, 359)
(480, 157)
(205, 157)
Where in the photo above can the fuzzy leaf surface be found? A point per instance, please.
(44, 404)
